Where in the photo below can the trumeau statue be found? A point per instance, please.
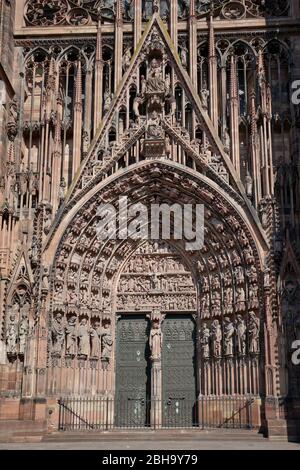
(155, 340)
(156, 335)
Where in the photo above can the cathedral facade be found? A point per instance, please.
(164, 103)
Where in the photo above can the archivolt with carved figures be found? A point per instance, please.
(93, 280)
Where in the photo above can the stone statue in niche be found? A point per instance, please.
(58, 334)
(216, 303)
(62, 191)
(47, 219)
(184, 56)
(95, 340)
(126, 60)
(107, 101)
(204, 94)
(235, 259)
(267, 278)
(204, 341)
(205, 306)
(71, 336)
(12, 332)
(249, 185)
(155, 81)
(154, 129)
(143, 84)
(155, 340)
(252, 274)
(34, 250)
(83, 338)
(129, 9)
(264, 216)
(253, 330)
(241, 335)
(239, 275)
(183, 8)
(248, 253)
(253, 296)
(229, 332)
(45, 279)
(107, 342)
(226, 140)
(59, 291)
(240, 299)
(23, 328)
(228, 299)
(168, 83)
(216, 335)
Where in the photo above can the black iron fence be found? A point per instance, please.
(103, 413)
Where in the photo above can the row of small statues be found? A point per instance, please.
(81, 339)
(153, 264)
(233, 337)
(185, 301)
(156, 283)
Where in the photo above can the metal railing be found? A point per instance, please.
(234, 412)
(104, 413)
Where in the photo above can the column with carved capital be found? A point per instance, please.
(155, 343)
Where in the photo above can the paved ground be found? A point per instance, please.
(204, 440)
(167, 446)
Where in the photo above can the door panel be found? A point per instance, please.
(178, 371)
(132, 372)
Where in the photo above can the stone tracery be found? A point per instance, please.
(56, 12)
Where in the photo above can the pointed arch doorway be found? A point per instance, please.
(155, 340)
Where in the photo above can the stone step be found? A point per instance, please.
(22, 431)
(164, 435)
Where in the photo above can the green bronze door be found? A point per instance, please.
(132, 408)
(178, 372)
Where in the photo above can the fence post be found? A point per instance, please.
(59, 416)
(107, 414)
